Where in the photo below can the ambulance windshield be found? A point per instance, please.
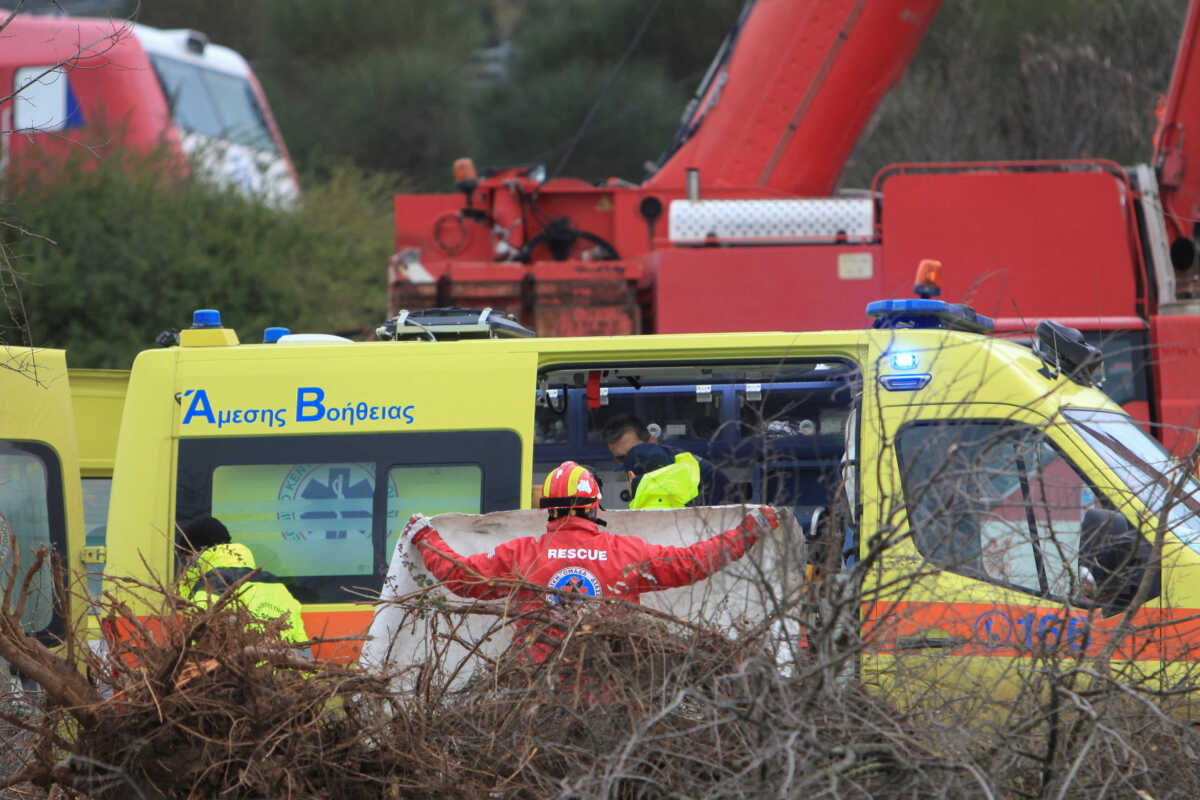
(1145, 467)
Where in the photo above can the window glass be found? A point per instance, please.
(1145, 467)
(213, 104)
(550, 417)
(1125, 372)
(242, 119)
(25, 526)
(96, 493)
(431, 490)
(187, 97)
(995, 501)
(300, 519)
(323, 515)
(681, 414)
(43, 101)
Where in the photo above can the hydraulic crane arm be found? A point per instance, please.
(1177, 147)
(786, 105)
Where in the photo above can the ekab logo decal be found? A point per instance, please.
(573, 581)
(331, 492)
(993, 629)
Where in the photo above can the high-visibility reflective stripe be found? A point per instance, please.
(1009, 630)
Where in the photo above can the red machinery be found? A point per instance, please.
(739, 229)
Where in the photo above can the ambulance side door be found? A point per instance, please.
(322, 499)
(975, 571)
(40, 497)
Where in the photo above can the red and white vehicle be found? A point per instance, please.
(739, 228)
(83, 87)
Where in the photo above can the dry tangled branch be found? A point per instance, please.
(628, 703)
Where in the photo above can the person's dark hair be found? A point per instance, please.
(201, 533)
(615, 428)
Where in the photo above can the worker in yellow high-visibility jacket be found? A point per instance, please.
(219, 563)
(660, 479)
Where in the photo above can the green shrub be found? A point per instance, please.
(633, 123)
(398, 111)
(110, 256)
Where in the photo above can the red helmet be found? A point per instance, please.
(570, 486)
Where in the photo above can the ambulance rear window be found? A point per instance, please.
(300, 519)
(430, 490)
(323, 512)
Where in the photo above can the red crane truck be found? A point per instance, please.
(740, 229)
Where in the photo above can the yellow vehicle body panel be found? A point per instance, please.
(40, 498)
(98, 399)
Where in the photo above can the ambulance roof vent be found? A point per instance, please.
(453, 323)
(921, 313)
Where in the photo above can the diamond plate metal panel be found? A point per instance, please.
(773, 221)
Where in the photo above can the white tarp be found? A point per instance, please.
(399, 637)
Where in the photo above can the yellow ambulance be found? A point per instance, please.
(58, 438)
(1000, 503)
(40, 494)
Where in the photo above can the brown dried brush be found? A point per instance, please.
(627, 702)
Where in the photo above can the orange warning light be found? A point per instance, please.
(929, 278)
(464, 171)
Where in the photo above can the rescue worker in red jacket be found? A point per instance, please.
(576, 556)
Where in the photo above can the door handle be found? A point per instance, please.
(931, 639)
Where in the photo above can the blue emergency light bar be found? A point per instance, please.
(920, 313)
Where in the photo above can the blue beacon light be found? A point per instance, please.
(206, 318)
